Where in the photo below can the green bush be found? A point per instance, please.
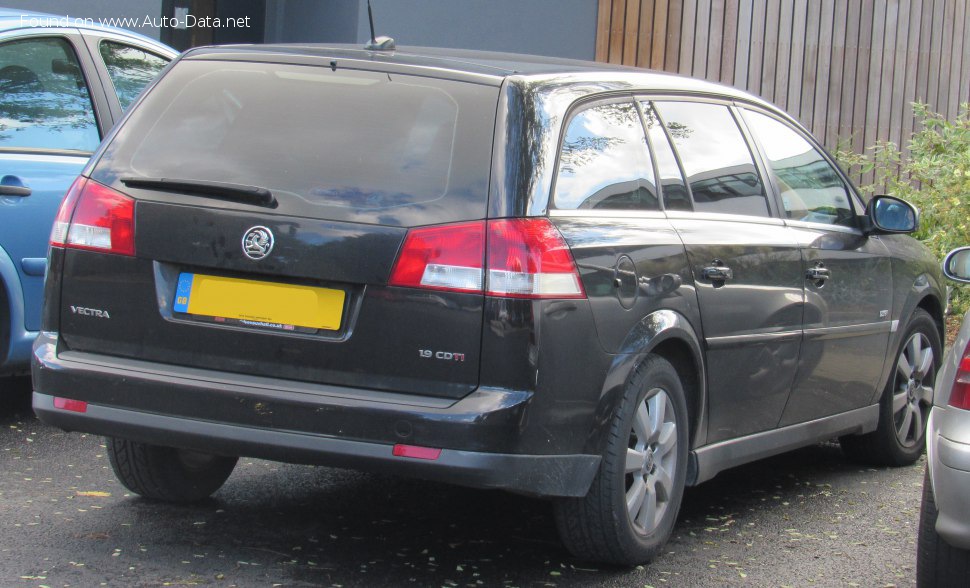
(934, 175)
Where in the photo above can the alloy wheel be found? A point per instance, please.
(651, 461)
(913, 392)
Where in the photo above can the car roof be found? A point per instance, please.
(487, 64)
(12, 19)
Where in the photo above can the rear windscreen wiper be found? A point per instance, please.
(222, 190)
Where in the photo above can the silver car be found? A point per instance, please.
(944, 531)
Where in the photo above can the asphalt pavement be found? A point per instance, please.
(807, 518)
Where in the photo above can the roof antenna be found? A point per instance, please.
(376, 43)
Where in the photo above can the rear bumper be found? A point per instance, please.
(252, 416)
(949, 463)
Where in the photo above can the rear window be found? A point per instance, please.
(346, 145)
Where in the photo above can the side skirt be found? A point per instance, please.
(706, 462)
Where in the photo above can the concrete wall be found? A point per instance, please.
(95, 9)
(562, 28)
(296, 21)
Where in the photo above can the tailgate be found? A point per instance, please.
(292, 286)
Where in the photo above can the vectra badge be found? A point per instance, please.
(257, 242)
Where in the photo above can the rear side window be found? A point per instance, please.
(44, 101)
(717, 161)
(811, 189)
(604, 162)
(350, 145)
(130, 69)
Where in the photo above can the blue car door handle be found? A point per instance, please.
(13, 186)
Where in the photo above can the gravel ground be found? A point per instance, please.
(807, 518)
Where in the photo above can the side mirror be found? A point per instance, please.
(956, 265)
(887, 214)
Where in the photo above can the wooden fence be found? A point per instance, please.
(847, 69)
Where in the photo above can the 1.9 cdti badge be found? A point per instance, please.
(257, 242)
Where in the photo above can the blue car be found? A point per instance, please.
(63, 85)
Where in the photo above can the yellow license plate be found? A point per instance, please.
(263, 304)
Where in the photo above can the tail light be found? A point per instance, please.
(448, 257)
(527, 258)
(960, 393)
(97, 218)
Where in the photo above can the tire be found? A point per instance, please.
(600, 527)
(166, 473)
(937, 562)
(905, 404)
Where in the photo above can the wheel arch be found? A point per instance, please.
(11, 310)
(671, 335)
(923, 294)
(934, 307)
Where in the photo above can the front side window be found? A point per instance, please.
(130, 69)
(604, 163)
(717, 162)
(44, 102)
(811, 189)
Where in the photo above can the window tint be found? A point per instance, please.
(716, 158)
(811, 190)
(672, 184)
(351, 145)
(44, 102)
(130, 69)
(604, 162)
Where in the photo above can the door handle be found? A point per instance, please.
(818, 274)
(717, 272)
(14, 191)
(13, 186)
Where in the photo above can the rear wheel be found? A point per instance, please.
(167, 473)
(632, 505)
(937, 562)
(906, 401)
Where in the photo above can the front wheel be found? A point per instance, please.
(630, 510)
(906, 401)
(166, 473)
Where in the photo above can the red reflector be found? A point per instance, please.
(416, 452)
(960, 393)
(72, 405)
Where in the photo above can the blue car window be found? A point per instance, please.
(130, 69)
(44, 102)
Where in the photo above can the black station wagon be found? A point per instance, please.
(558, 278)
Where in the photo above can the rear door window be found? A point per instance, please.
(130, 69)
(44, 101)
(672, 184)
(604, 162)
(718, 164)
(811, 189)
